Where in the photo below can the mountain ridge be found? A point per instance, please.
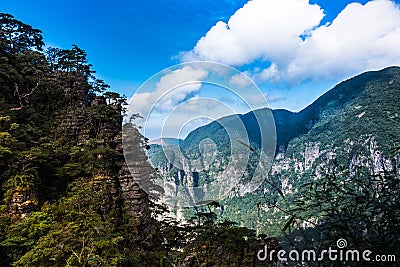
(351, 124)
(310, 111)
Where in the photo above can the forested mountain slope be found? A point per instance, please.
(336, 165)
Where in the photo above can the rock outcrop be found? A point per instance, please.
(82, 123)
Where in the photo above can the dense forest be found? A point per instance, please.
(67, 197)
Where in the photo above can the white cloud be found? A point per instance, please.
(261, 29)
(171, 89)
(362, 37)
(240, 80)
(274, 98)
(285, 35)
(262, 100)
(187, 116)
(172, 98)
(269, 74)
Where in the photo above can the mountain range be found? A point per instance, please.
(353, 124)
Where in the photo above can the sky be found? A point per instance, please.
(293, 50)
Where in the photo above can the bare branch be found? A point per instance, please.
(22, 97)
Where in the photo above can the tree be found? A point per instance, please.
(22, 66)
(358, 206)
(16, 36)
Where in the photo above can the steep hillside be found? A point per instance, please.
(366, 105)
(348, 136)
(63, 176)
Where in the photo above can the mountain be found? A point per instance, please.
(354, 124)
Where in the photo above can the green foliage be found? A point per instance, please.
(358, 206)
(207, 240)
(23, 235)
(17, 36)
(69, 232)
(7, 141)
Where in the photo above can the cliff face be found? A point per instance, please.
(59, 124)
(136, 172)
(315, 160)
(90, 124)
(22, 203)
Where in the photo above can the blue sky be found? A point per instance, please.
(294, 50)
(126, 41)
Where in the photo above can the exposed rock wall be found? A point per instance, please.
(119, 184)
(23, 203)
(135, 172)
(123, 190)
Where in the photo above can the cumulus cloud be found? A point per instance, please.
(186, 117)
(276, 41)
(285, 36)
(268, 74)
(172, 89)
(171, 99)
(261, 29)
(239, 80)
(362, 37)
